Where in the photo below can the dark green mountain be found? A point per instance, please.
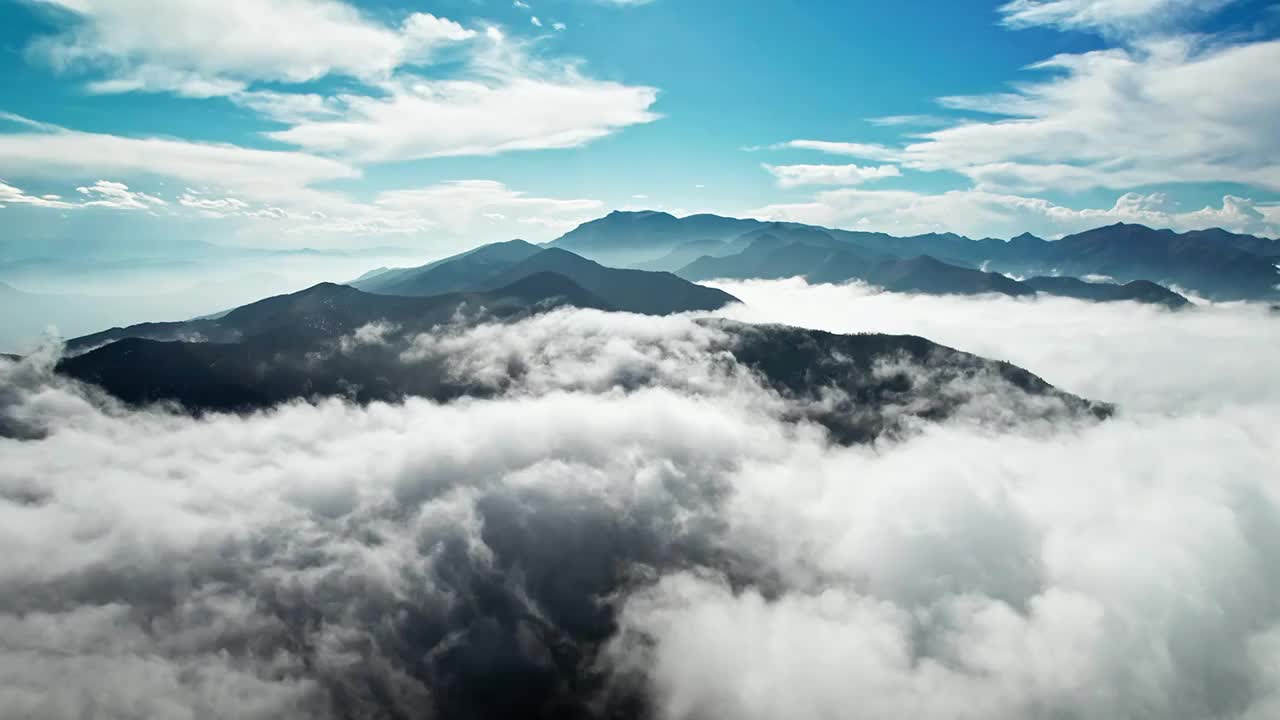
(803, 366)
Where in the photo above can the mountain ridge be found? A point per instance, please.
(1215, 263)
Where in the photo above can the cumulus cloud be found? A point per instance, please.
(488, 95)
(796, 175)
(201, 49)
(581, 544)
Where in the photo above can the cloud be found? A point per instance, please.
(212, 206)
(266, 175)
(1031, 573)
(513, 104)
(15, 196)
(487, 95)
(895, 120)
(101, 194)
(535, 21)
(277, 187)
(328, 560)
(200, 49)
(559, 26)
(866, 151)
(117, 195)
(1174, 110)
(1101, 359)
(1108, 16)
(979, 213)
(796, 175)
(461, 207)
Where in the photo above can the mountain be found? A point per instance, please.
(1199, 260)
(683, 254)
(500, 264)
(925, 274)
(327, 311)
(840, 381)
(458, 273)
(1215, 263)
(627, 238)
(767, 257)
(1137, 290)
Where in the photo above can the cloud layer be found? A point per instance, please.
(329, 560)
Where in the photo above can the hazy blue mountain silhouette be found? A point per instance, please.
(1137, 290)
(493, 266)
(328, 310)
(1216, 263)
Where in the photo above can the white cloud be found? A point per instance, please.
(493, 98)
(1111, 570)
(1108, 16)
(117, 195)
(278, 186)
(213, 206)
(464, 207)
(264, 175)
(1030, 574)
(796, 175)
(1198, 118)
(520, 106)
(895, 120)
(865, 151)
(559, 26)
(15, 196)
(199, 48)
(979, 213)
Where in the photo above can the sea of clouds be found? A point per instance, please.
(582, 545)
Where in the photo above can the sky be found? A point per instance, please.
(441, 125)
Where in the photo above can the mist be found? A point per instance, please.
(578, 545)
(65, 297)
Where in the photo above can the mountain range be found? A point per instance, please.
(337, 341)
(352, 340)
(492, 266)
(1212, 263)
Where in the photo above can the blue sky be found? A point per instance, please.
(347, 124)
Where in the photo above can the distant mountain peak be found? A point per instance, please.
(640, 214)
